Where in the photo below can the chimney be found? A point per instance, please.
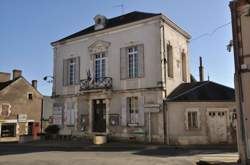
(16, 74)
(201, 70)
(4, 77)
(34, 84)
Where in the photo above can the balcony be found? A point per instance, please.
(103, 83)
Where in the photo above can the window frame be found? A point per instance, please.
(28, 96)
(133, 68)
(133, 110)
(189, 126)
(14, 133)
(72, 71)
(102, 60)
(170, 61)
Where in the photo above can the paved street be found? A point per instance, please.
(136, 154)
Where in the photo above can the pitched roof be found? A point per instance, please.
(202, 91)
(113, 22)
(5, 84)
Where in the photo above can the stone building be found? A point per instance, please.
(112, 78)
(240, 11)
(20, 107)
(201, 113)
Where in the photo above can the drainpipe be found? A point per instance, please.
(162, 29)
(149, 127)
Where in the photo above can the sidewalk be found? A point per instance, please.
(213, 159)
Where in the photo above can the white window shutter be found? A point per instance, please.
(141, 110)
(141, 60)
(72, 116)
(77, 70)
(123, 63)
(198, 118)
(65, 72)
(124, 111)
(186, 119)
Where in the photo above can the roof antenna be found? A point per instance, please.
(122, 8)
(208, 77)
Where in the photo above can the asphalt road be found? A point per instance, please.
(34, 154)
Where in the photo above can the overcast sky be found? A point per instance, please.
(28, 26)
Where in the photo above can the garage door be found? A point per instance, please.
(217, 126)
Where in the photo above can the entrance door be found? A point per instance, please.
(217, 125)
(99, 116)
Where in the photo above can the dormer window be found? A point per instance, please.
(100, 22)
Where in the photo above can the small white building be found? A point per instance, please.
(201, 113)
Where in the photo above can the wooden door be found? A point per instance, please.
(99, 116)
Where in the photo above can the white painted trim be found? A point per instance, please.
(9, 121)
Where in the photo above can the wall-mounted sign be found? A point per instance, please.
(22, 117)
(152, 108)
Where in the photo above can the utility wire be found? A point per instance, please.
(211, 33)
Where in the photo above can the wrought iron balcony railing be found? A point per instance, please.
(102, 83)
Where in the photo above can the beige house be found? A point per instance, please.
(201, 113)
(111, 78)
(20, 107)
(240, 10)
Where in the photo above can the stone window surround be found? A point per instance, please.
(97, 47)
(198, 118)
(9, 111)
(90, 102)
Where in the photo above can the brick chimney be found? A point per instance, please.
(4, 77)
(16, 73)
(201, 70)
(34, 84)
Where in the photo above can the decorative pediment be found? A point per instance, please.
(99, 46)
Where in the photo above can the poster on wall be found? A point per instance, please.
(57, 114)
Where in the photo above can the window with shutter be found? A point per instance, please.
(133, 110)
(100, 66)
(70, 114)
(132, 62)
(192, 119)
(71, 71)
